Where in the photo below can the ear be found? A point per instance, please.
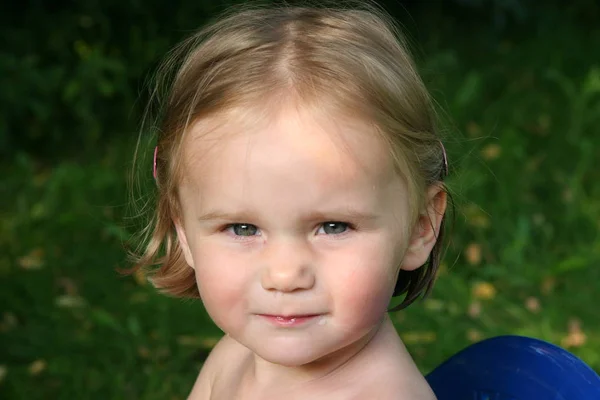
(183, 242)
(426, 230)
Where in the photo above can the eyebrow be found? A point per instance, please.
(223, 215)
(333, 215)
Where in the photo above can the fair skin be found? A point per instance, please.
(296, 231)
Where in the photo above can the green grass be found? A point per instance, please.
(523, 259)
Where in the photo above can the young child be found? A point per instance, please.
(299, 181)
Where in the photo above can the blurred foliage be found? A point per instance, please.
(72, 72)
(518, 83)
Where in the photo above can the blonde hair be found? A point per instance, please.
(353, 59)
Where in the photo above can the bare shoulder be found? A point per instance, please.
(403, 381)
(388, 386)
(416, 388)
(392, 373)
(226, 352)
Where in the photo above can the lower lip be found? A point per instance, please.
(289, 321)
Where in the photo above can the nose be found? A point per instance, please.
(287, 267)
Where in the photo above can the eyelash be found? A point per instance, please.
(348, 226)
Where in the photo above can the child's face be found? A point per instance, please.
(296, 232)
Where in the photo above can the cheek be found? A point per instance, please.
(367, 291)
(364, 284)
(222, 281)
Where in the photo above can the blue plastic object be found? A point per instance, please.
(514, 368)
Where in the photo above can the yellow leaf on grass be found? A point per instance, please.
(575, 336)
(9, 321)
(538, 219)
(473, 253)
(188, 340)
(37, 367)
(491, 152)
(140, 277)
(443, 269)
(68, 285)
(416, 337)
(210, 342)
(3, 371)
(433, 304)
(68, 301)
(574, 339)
(473, 129)
(480, 221)
(474, 309)
(484, 291)
(533, 304)
(473, 335)
(143, 352)
(476, 217)
(33, 260)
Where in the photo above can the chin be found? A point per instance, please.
(288, 354)
(286, 360)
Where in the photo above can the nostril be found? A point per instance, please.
(288, 279)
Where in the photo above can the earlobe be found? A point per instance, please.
(426, 230)
(183, 242)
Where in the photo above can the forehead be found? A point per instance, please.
(293, 138)
(288, 168)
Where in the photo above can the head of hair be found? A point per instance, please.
(351, 60)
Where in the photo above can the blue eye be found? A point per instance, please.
(334, 228)
(243, 229)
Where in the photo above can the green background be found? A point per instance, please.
(518, 84)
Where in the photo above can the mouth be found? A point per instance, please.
(289, 320)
